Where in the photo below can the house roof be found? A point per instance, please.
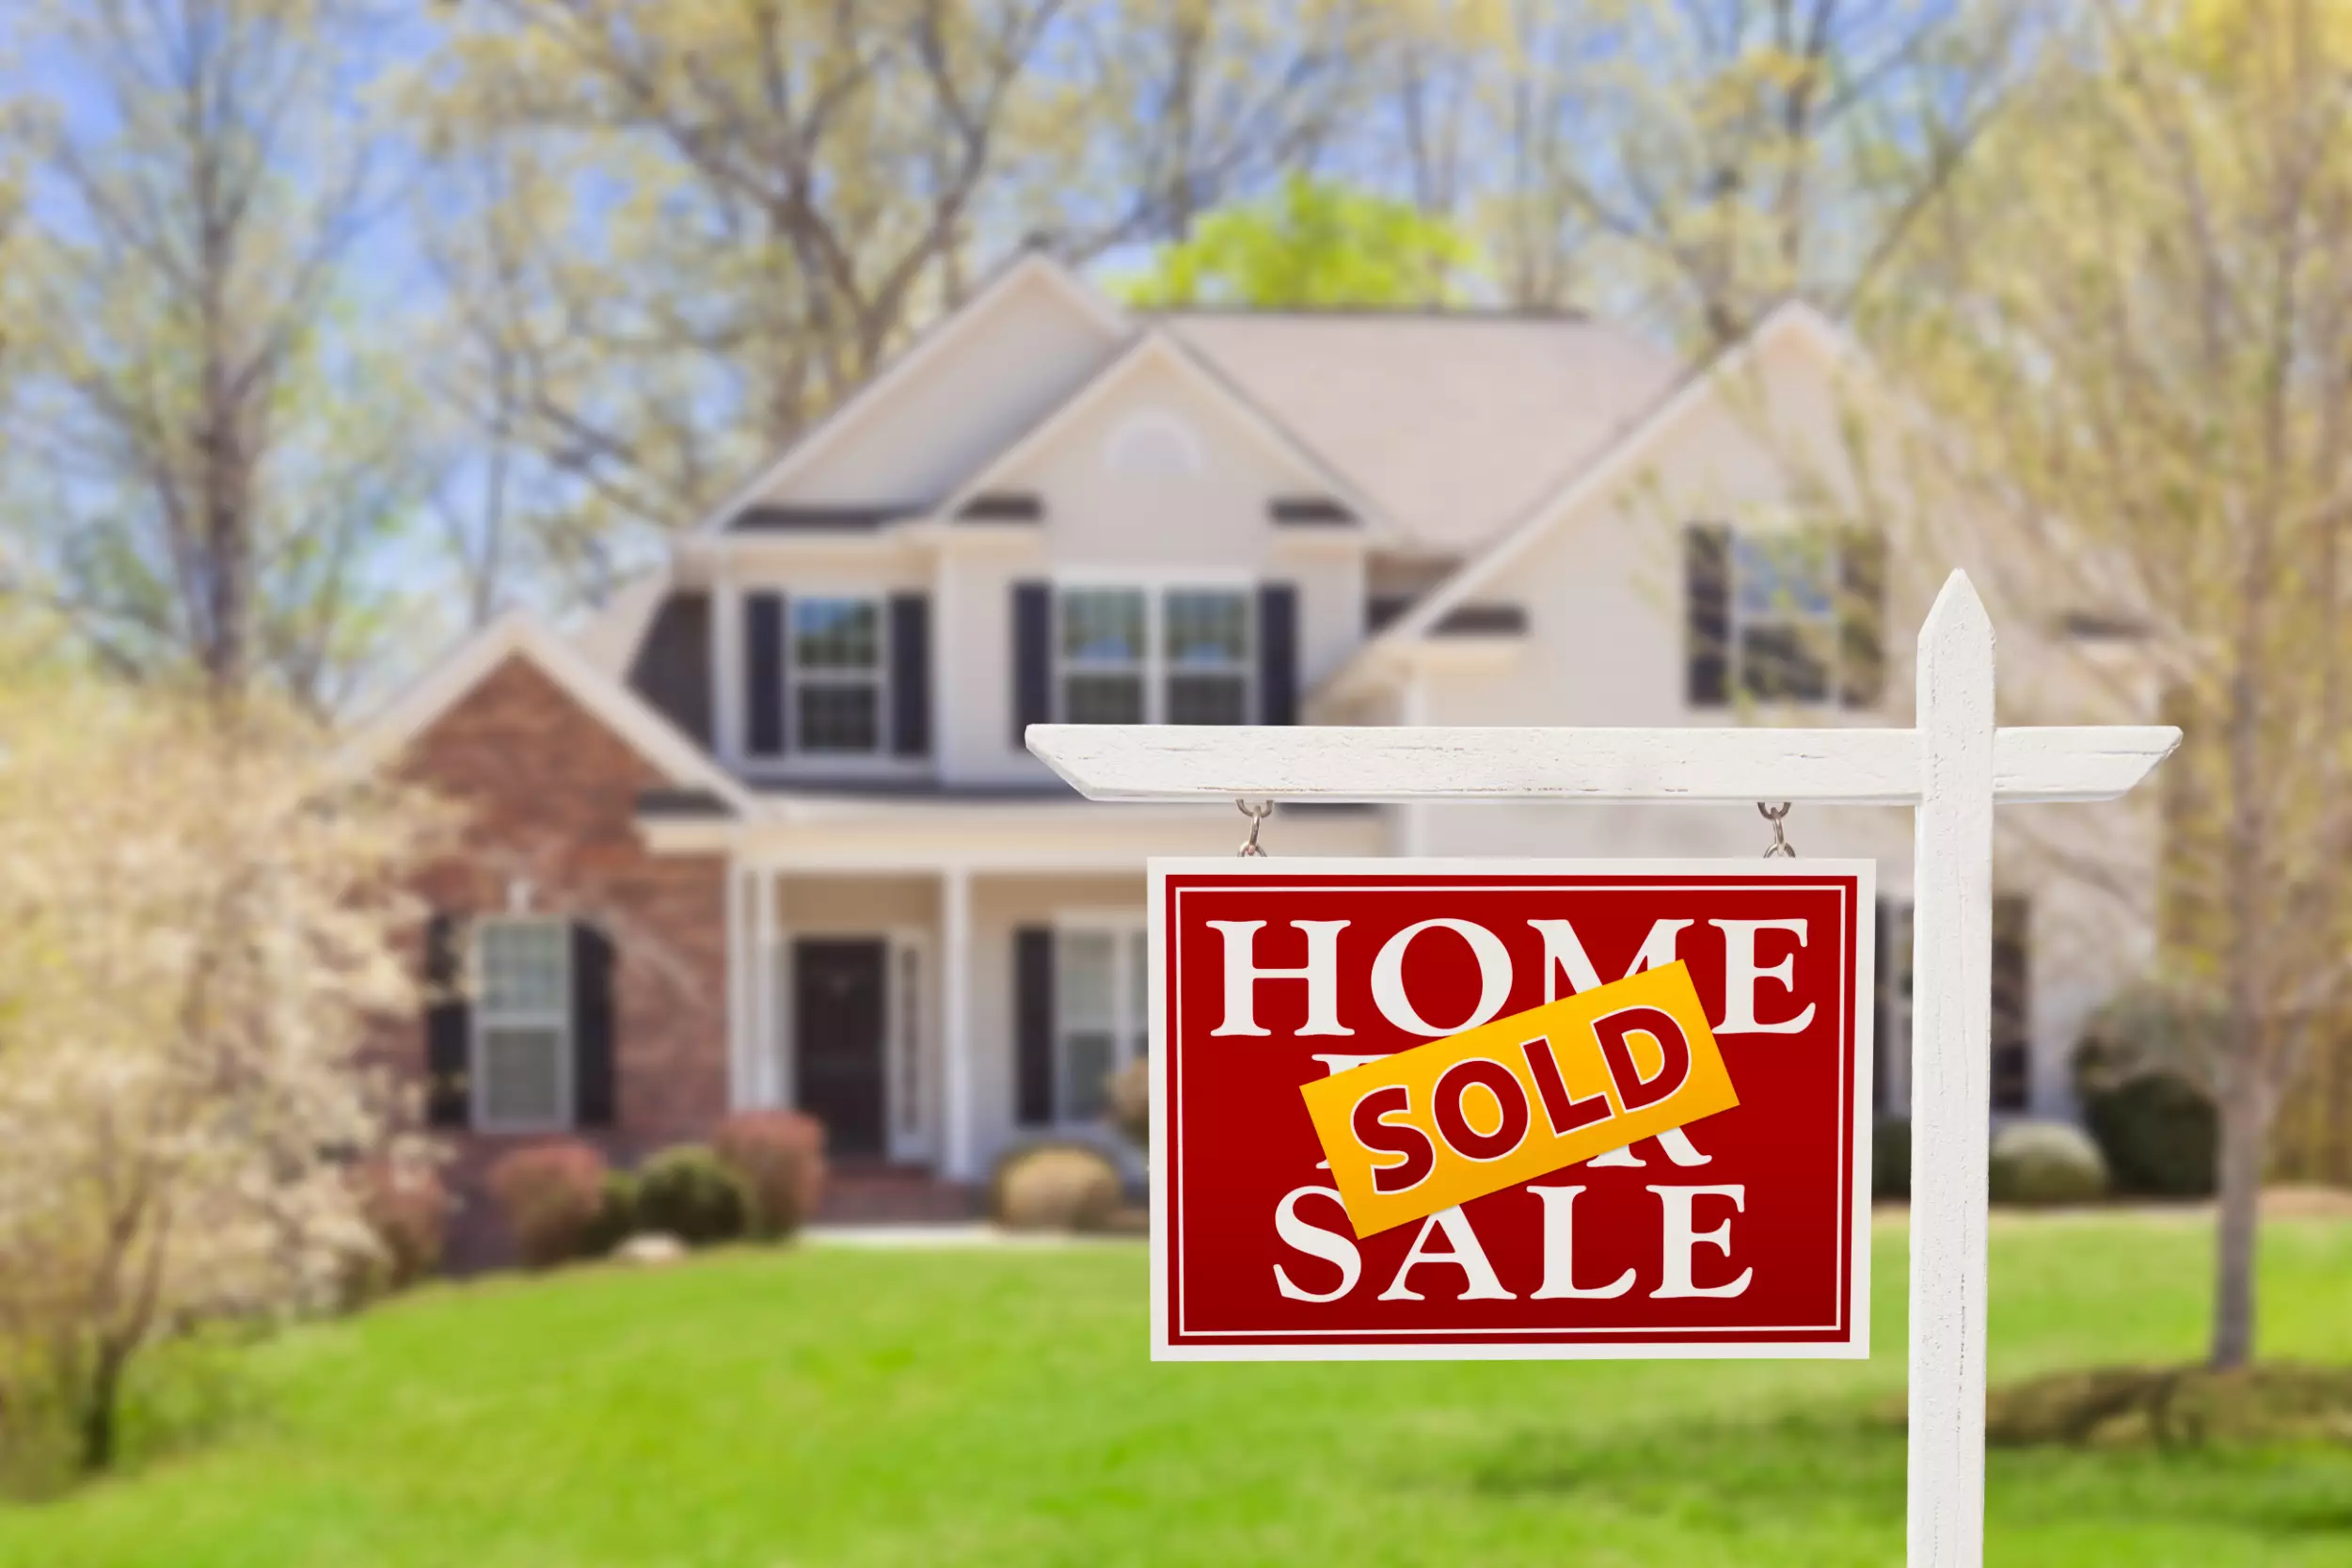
(1606, 464)
(517, 635)
(1452, 424)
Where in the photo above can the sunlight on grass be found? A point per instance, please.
(828, 1406)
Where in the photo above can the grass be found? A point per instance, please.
(836, 1406)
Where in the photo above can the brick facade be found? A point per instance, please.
(550, 798)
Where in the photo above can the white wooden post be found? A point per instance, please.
(1953, 766)
(955, 1021)
(1952, 1056)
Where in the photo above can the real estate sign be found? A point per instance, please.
(1423, 1109)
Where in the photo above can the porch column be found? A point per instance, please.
(955, 1018)
(741, 972)
(768, 1085)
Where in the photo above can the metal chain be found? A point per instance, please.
(1257, 815)
(1780, 849)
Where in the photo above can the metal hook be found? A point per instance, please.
(1780, 849)
(1257, 815)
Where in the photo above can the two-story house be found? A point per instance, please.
(765, 834)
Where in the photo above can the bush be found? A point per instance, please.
(2046, 1162)
(1890, 1159)
(779, 1157)
(690, 1193)
(1131, 1102)
(1065, 1186)
(2159, 1135)
(407, 1209)
(616, 1216)
(552, 1197)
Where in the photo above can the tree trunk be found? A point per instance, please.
(99, 1409)
(2239, 1224)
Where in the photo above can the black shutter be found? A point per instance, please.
(448, 1024)
(1862, 618)
(1033, 1024)
(1277, 654)
(1706, 614)
(1032, 657)
(2012, 1003)
(671, 668)
(592, 1026)
(909, 675)
(763, 673)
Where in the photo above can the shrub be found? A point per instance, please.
(616, 1216)
(2159, 1133)
(1131, 1102)
(690, 1193)
(1060, 1186)
(2045, 1162)
(550, 1196)
(779, 1157)
(1890, 1159)
(407, 1210)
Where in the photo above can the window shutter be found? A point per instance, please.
(1862, 618)
(1032, 657)
(2012, 1003)
(1706, 614)
(909, 675)
(763, 673)
(592, 1026)
(1277, 654)
(1033, 1024)
(448, 1024)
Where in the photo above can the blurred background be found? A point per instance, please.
(546, 1015)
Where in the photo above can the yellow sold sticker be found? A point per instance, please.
(1514, 1099)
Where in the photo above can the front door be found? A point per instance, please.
(837, 1038)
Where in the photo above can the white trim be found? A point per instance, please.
(1155, 344)
(1607, 468)
(960, 1152)
(854, 409)
(517, 635)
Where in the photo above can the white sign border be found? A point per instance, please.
(1855, 1346)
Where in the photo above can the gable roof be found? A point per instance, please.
(1452, 423)
(1793, 320)
(1155, 346)
(629, 717)
(862, 403)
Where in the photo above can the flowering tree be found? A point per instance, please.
(200, 919)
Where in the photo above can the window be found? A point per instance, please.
(1101, 975)
(2012, 1003)
(1103, 655)
(1207, 645)
(522, 1025)
(1131, 656)
(1783, 616)
(837, 666)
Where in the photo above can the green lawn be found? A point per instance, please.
(829, 1406)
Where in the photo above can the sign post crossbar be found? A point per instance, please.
(1953, 768)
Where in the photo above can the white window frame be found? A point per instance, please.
(1829, 623)
(798, 675)
(1155, 667)
(1131, 981)
(482, 1018)
(906, 1014)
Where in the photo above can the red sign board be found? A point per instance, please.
(1744, 1233)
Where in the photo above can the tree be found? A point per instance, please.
(1312, 243)
(204, 916)
(209, 462)
(2130, 322)
(1696, 160)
